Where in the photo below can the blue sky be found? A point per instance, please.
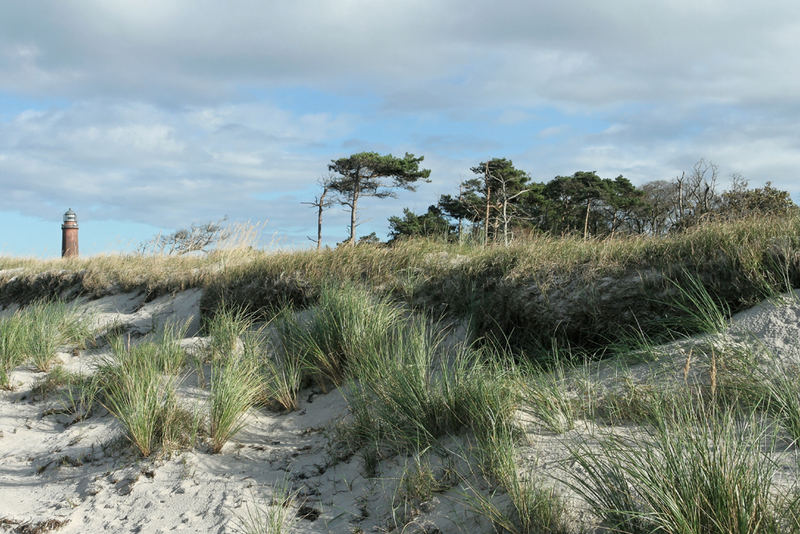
(146, 116)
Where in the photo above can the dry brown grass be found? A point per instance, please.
(503, 291)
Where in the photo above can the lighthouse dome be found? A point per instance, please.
(70, 216)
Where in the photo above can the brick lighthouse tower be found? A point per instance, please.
(69, 235)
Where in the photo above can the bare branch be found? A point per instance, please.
(196, 238)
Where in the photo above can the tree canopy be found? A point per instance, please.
(501, 200)
(430, 223)
(368, 174)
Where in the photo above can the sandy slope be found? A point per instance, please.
(86, 475)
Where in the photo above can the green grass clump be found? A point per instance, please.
(346, 325)
(767, 383)
(547, 397)
(410, 390)
(751, 377)
(12, 351)
(225, 328)
(413, 388)
(417, 486)
(695, 309)
(162, 349)
(50, 325)
(36, 332)
(170, 356)
(79, 393)
(235, 388)
(277, 516)
(783, 394)
(695, 472)
(54, 380)
(144, 399)
(641, 402)
(43, 342)
(534, 507)
(282, 368)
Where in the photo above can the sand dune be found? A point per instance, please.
(83, 476)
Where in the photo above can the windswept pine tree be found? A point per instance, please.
(368, 174)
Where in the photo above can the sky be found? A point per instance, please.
(147, 116)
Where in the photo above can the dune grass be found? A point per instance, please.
(81, 395)
(49, 325)
(77, 393)
(278, 359)
(277, 516)
(780, 382)
(162, 349)
(36, 332)
(347, 324)
(170, 356)
(414, 388)
(235, 388)
(282, 369)
(516, 291)
(766, 382)
(12, 341)
(546, 395)
(139, 383)
(707, 472)
(225, 328)
(693, 462)
(696, 310)
(411, 390)
(416, 486)
(144, 399)
(534, 506)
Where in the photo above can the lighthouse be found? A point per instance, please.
(69, 235)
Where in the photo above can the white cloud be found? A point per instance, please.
(153, 120)
(552, 131)
(576, 53)
(146, 164)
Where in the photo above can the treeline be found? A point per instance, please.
(502, 202)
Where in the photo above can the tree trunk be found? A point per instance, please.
(488, 200)
(460, 220)
(356, 191)
(505, 222)
(586, 220)
(319, 216)
(614, 225)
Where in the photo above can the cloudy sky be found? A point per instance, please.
(144, 116)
